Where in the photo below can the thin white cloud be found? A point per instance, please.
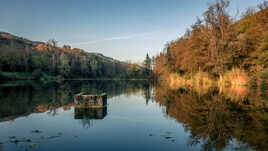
(127, 37)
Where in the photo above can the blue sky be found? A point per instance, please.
(122, 29)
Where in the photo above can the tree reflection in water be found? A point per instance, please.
(233, 118)
(218, 118)
(21, 100)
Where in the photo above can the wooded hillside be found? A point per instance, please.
(24, 56)
(217, 43)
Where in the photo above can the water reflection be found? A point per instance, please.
(87, 113)
(217, 119)
(39, 98)
(50, 101)
(232, 118)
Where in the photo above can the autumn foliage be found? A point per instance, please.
(221, 46)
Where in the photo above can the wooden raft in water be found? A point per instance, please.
(90, 100)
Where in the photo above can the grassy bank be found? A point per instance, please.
(202, 80)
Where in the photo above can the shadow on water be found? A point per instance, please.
(233, 118)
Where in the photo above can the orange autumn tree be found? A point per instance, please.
(218, 43)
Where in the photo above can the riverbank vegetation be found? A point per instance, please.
(22, 59)
(219, 50)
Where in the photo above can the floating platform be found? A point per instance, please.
(94, 101)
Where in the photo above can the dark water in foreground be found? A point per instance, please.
(139, 116)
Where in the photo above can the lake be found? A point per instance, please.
(139, 116)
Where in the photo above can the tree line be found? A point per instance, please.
(217, 43)
(39, 59)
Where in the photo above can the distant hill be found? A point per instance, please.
(19, 54)
(8, 36)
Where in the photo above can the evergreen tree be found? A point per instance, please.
(147, 62)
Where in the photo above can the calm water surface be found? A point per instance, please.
(139, 116)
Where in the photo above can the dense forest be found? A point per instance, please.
(24, 59)
(220, 47)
